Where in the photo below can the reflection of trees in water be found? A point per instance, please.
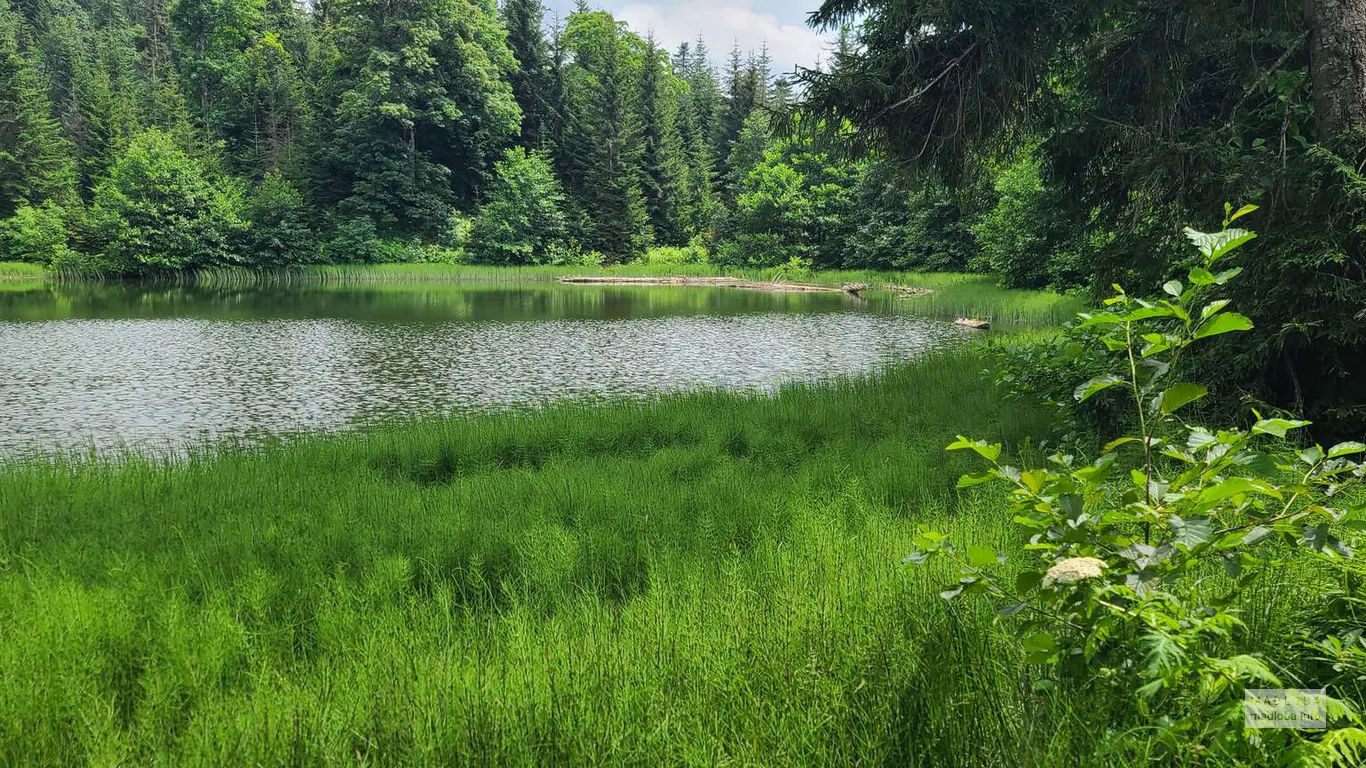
(408, 303)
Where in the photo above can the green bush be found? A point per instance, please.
(355, 241)
(1137, 560)
(158, 211)
(36, 234)
(279, 233)
(523, 221)
(693, 253)
(1027, 237)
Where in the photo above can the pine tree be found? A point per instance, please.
(162, 101)
(263, 109)
(82, 87)
(605, 136)
(662, 158)
(744, 83)
(738, 103)
(699, 107)
(532, 80)
(36, 162)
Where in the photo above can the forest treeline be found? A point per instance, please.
(144, 135)
(1105, 127)
(1065, 148)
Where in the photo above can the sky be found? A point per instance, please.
(782, 23)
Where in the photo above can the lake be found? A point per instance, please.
(163, 367)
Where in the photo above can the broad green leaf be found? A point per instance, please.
(1201, 276)
(1180, 395)
(968, 481)
(1199, 438)
(1173, 288)
(1034, 479)
(1245, 210)
(1277, 427)
(1227, 275)
(1114, 345)
(989, 451)
(1040, 641)
(980, 556)
(1213, 308)
(1100, 318)
(1113, 444)
(1216, 245)
(1011, 609)
(950, 594)
(1148, 313)
(1027, 581)
(918, 557)
(1256, 534)
(1219, 324)
(1098, 384)
(1345, 449)
(1234, 486)
(1191, 532)
(1316, 536)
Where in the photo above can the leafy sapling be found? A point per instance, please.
(1137, 559)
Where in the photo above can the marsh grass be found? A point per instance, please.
(21, 270)
(698, 579)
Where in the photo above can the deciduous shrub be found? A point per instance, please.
(37, 234)
(278, 231)
(1138, 560)
(158, 210)
(523, 221)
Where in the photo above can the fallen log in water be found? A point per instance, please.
(910, 291)
(715, 282)
(972, 322)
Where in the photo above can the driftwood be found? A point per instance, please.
(972, 322)
(910, 291)
(717, 282)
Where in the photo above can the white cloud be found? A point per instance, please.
(723, 23)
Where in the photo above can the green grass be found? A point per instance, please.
(700, 579)
(21, 270)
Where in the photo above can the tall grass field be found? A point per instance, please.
(703, 579)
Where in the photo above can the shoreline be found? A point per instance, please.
(714, 282)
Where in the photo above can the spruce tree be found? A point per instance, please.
(608, 133)
(423, 105)
(35, 160)
(532, 80)
(662, 159)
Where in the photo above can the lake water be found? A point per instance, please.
(163, 367)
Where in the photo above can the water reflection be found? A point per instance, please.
(161, 368)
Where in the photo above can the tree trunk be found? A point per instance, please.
(1338, 44)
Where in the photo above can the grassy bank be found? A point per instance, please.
(21, 275)
(21, 270)
(950, 295)
(701, 579)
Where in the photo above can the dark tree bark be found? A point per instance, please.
(1338, 43)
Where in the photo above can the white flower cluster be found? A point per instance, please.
(1073, 570)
